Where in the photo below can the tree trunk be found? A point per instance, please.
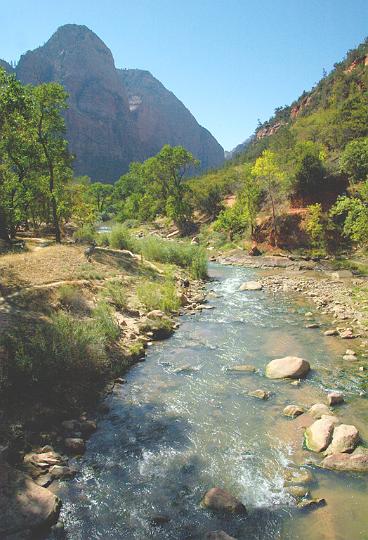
(4, 234)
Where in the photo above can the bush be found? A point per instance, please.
(182, 254)
(85, 234)
(116, 294)
(159, 295)
(71, 299)
(120, 238)
(61, 354)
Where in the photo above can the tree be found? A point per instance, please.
(309, 169)
(249, 198)
(354, 160)
(354, 211)
(49, 102)
(271, 179)
(101, 195)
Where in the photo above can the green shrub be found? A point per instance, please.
(182, 254)
(105, 322)
(85, 234)
(120, 238)
(159, 295)
(116, 294)
(53, 356)
(72, 299)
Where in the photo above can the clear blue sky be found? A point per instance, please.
(230, 61)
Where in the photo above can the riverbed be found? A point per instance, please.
(170, 435)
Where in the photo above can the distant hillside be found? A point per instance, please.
(8, 68)
(114, 116)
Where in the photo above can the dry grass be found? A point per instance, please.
(58, 263)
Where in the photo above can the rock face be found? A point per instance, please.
(161, 118)
(114, 116)
(291, 367)
(219, 499)
(344, 439)
(8, 68)
(319, 434)
(24, 506)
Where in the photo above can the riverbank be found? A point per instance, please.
(71, 326)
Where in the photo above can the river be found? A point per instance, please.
(170, 436)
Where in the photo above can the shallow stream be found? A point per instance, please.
(170, 436)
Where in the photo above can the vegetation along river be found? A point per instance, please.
(170, 435)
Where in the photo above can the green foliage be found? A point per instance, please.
(156, 295)
(72, 299)
(63, 353)
(105, 322)
(86, 234)
(354, 160)
(115, 293)
(315, 226)
(354, 214)
(232, 220)
(309, 170)
(120, 237)
(181, 254)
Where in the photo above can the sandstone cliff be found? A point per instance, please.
(161, 118)
(114, 116)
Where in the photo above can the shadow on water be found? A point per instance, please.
(171, 435)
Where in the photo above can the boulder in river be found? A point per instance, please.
(218, 535)
(293, 411)
(311, 503)
(251, 286)
(295, 477)
(298, 491)
(344, 439)
(331, 332)
(221, 500)
(24, 506)
(291, 367)
(75, 445)
(318, 410)
(319, 434)
(259, 393)
(346, 462)
(335, 398)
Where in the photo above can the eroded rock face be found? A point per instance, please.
(319, 434)
(344, 439)
(24, 506)
(161, 118)
(291, 367)
(221, 500)
(114, 116)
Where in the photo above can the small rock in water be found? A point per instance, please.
(260, 394)
(350, 357)
(291, 367)
(311, 503)
(296, 383)
(221, 500)
(308, 315)
(335, 398)
(120, 380)
(347, 334)
(319, 409)
(298, 491)
(293, 411)
(218, 535)
(75, 445)
(294, 477)
(251, 286)
(331, 332)
(244, 368)
(159, 520)
(313, 325)
(350, 352)
(186, 368)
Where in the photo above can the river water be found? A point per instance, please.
(170, 436)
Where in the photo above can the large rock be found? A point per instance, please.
(221, 500)
(335, 398)
(346, 462)
(319, 434)
(293, 411)
(344, 439)
(24, 506)
(291, 367)
(318, 410)
(251, 286)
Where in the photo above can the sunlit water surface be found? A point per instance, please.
(170, 436)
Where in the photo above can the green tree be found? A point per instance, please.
(49, 103)
(354, 212)
(309, 169)
(354, 160)
(101, 195)
(249, 198)
(272, 180)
